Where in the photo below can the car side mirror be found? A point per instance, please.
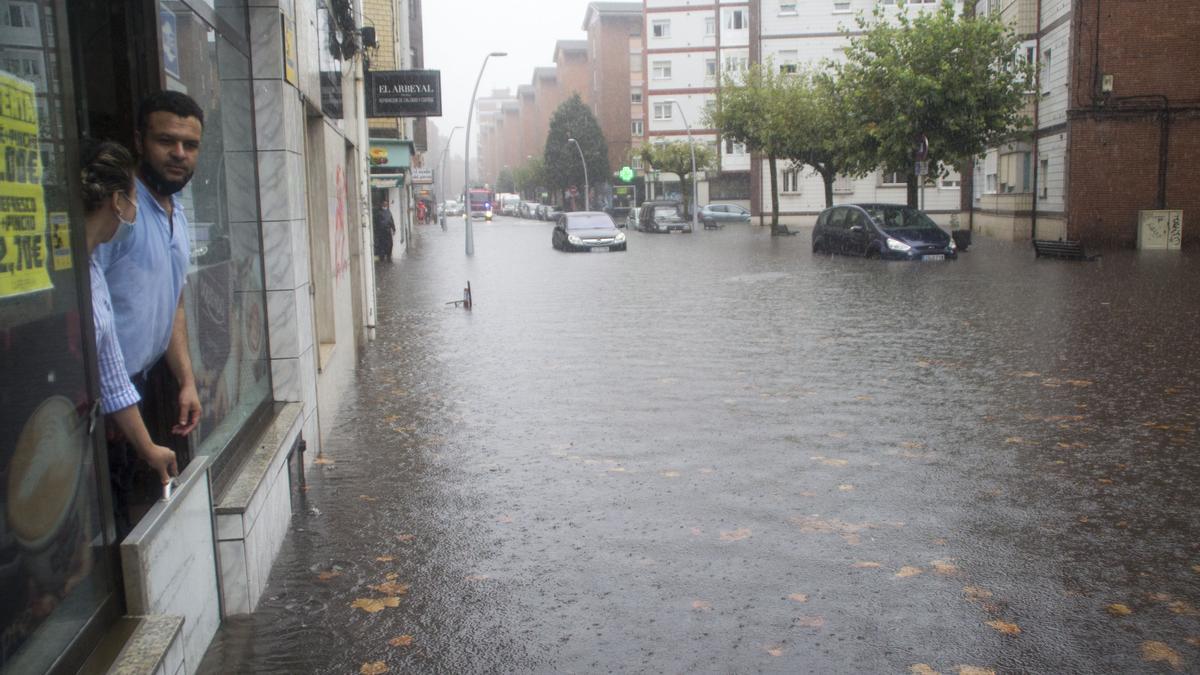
(857, 228)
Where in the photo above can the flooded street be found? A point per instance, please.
(717, 452)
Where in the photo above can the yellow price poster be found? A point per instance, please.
(24, 258)
(60, 240)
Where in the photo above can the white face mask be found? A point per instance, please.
(126, 226)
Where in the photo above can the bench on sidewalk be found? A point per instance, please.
(1063, 250)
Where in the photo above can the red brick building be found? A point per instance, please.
(609, 27)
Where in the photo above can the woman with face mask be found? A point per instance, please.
(110, 205)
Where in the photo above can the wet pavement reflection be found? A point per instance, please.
(717, 452)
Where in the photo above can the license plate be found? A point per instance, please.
(934, 257)
(599, 249)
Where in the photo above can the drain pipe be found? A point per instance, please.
(1037, 109)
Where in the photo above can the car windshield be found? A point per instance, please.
(665, 212)
(597, 221)
(899, 217)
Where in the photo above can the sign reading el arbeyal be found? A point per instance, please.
(404, 93)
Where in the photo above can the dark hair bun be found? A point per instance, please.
(107, 170)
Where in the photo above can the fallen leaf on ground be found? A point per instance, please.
(848, 531)
(367, 498)
(944, 568)
(617, 469)
(735, 535)
(922, 669)
(696, 532)
(1158, 652)
(1160, 597)
(670, 474)
(328, 574)
(940, 541)
(384, 558)
(864, 397)
(976, 593)
(505, 519)
(405, 538)
(701, 605)
(372, 605)
(846, 487)
(708, 470)
(322, 460)
(798, 597)
(810, 621)
(1005, 627)
(975, 670)
(1079, 383)
(837, 434)
(476, 577)
(912, 445)
(775, 651)
(391, 576)
(922, 364)
(867, 565)
(909, 571)
(374, 668)
(1118, 609)
(1183, 608)
(1193, 640)
(1015, 440)
(1196, 569)
(401, 641)
(391, 588)
(1029, 373)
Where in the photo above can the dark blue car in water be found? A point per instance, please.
(890, 231)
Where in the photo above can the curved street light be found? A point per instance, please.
(587, 204)
(692, 147)
(467, 156)
(441, 177)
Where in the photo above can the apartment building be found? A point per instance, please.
(1116, 123)
(802, 35)
(493, 138)
(611, 27)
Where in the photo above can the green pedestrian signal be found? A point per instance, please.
(626, 174)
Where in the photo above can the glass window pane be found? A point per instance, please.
(52, 550)
(224, 293)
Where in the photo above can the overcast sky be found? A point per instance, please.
(460, 33)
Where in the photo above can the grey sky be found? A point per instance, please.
(460, 33)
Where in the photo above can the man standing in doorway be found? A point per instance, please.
(385, 229)
(147, 269)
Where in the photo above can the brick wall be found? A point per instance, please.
(611, 94)
(1149, 49)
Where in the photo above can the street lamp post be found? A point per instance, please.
(692, 147)
(587, 204)
(467, 156)
(441, 177)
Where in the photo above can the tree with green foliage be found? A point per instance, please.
(956, 79)
(506, 182)
(819, 133)
(753, 108)
(530, 177)
(574, 119)
(676, 157)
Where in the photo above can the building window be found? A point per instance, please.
(991, 183)
(710, 25)
(636, 163)
(1014, 172)
(841, 6)
(635, 96)
(732, 148)
(790, 179)
(893, 178)
(635, 63)
(843, 185)
(1043, 181)
(660, 28)
(662, 110)
(952, 180)
(710, 68)
(736, 19)
(662, 70)
(736, 64)
(1047, 62)
(636, 128)
(19, 15)
(787, 8)
(787, 61)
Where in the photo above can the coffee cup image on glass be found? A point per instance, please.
(44, 478)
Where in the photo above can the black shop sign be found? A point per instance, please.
(404, 93)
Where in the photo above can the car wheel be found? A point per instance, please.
(872, 252)
(817, 246)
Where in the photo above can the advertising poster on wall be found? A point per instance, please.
(24, 254)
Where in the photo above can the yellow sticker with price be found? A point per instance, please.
(24, 254)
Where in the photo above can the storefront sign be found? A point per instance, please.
(422, 176)
(404, 93)
(290, 59)
(24, 254)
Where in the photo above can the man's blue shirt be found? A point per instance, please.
(146, 272)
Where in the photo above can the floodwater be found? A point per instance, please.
(717, 452)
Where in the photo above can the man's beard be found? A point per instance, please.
(160, 183)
